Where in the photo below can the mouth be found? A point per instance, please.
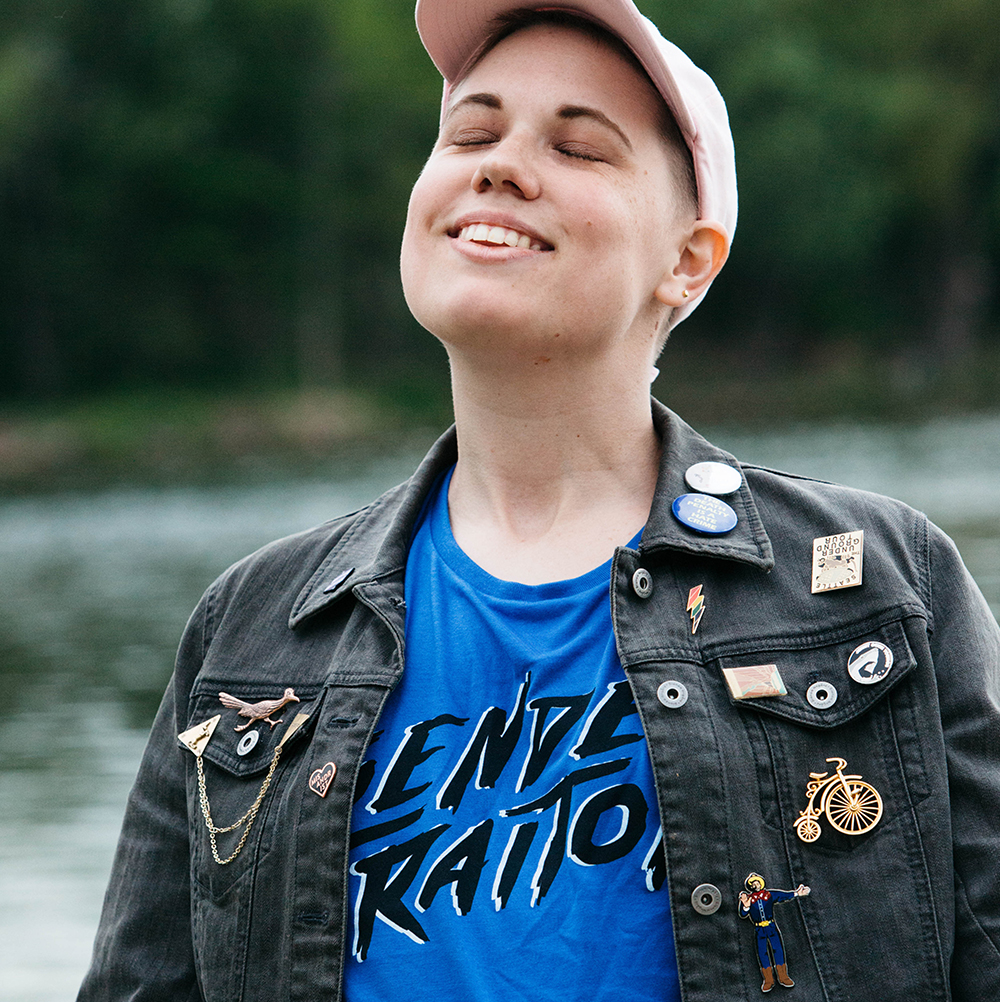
(487, 233)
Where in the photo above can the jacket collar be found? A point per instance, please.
(375, 545)
(682, 448)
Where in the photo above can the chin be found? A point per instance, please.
(473, 319)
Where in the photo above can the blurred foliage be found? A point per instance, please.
(198, 193)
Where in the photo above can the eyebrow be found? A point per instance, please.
(567, 112)
(579, 111)
(484, 99)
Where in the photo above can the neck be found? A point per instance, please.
(556, 468)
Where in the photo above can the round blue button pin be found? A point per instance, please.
(704, 514)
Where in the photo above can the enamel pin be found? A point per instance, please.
(869, 663)
(837, 560)
(851, 805)
(695, 607)
(261, 710)
(757, 904)
(196, 738)
(754, 681)
(322, 778)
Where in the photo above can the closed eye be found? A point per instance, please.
(579, 152)
(473, 137)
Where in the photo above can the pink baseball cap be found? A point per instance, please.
(454, 31)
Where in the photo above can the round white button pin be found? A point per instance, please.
(714, 478)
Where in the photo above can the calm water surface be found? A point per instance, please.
(95, 589)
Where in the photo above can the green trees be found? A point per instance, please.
(206, 191)
(868, 147)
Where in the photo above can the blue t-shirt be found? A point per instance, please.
(506, 840)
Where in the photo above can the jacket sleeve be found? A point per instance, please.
(143, 950)
(966, 647)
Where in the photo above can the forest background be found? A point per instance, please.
(201, 203)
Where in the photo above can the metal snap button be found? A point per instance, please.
(822, 695)
(642, 582)
(706, 899)
(248, 742)
(672, 694)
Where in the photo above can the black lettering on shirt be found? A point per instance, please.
(628, 799)
(545, 737)
(489, 749)
(383, 884)
(655, 863)
(513, 858)
(559, 797)
(460, 865)
(392, 791)
(599, 731)
(359, 836)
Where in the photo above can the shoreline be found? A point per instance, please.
(203, 436)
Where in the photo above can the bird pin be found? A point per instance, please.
(261, 710)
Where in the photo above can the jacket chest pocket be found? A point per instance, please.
(837, 755)
(236, 786)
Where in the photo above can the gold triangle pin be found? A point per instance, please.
(300, 719)
(196, 738)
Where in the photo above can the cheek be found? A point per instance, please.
(414, 250)
(413, 271)
(419, 205)
(633, 237)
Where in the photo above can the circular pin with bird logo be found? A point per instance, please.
(869, 663)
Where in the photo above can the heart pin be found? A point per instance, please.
(320, 780)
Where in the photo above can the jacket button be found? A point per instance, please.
(706, 899)
(672, 694)
(822, 695)
(642, 583)
(248, 742)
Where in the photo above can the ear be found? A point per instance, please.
(701, 257)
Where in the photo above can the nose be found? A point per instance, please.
(508, 166)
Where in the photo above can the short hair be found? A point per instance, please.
(678, 152)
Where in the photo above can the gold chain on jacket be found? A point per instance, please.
(247, 818)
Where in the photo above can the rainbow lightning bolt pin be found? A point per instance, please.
(696, 607)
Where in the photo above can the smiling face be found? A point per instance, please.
(548, 208)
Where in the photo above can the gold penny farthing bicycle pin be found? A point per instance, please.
(851, 805)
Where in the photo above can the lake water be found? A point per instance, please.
(96, 587)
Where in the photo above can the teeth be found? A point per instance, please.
(483, 233)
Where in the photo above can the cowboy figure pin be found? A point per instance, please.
(757, 904)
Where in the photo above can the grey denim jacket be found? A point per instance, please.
(907, 910)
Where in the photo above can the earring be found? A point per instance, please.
(685, 293)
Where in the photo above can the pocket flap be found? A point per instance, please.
(233, 747)
(821, 691)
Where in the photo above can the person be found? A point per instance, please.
(532, 714)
